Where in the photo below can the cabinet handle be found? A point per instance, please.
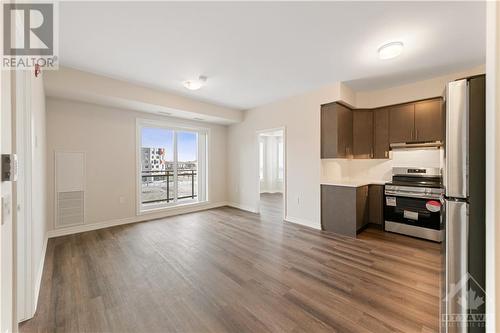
(411, 134)
(371, 153)
(416, 134)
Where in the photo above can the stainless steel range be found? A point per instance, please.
(413, 202)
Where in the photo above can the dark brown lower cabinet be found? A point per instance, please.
(344, 209)
(376, 204)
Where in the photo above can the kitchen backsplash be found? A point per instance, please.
(335, 169)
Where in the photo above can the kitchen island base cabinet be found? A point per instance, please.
(344, 209)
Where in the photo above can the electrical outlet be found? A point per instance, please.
(122, 200)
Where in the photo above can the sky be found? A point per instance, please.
(162, 138)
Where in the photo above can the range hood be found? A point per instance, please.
(416, 145)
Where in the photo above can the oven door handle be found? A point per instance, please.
(413, 195)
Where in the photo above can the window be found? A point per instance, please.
(172, 165)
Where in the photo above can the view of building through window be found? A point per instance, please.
(169, 165)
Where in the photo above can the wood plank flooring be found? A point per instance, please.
(271, 207)
(226, 270)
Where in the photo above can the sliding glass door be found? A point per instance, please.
(171, 166)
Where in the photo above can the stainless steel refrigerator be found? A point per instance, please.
(464, 208)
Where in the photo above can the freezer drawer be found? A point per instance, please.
(456, 247)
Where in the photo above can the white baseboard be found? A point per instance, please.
(133, 219)
(38, 277)
(248, 208)
(303, 222)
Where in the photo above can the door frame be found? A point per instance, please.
(24, 150)
(257, 174)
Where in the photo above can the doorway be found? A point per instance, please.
(272, 173)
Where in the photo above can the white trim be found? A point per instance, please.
(141, 218)
(25, 150)
(38, 278)
(302, 222)
(247, 208)
(172, 207)
(492, 163)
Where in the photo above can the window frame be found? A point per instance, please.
(203, 162)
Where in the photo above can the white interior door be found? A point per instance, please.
(23, 139)
(6, 227)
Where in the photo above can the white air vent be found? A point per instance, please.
(70, 188)
(70, 208)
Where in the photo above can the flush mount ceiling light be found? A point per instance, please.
(390, 50)
(195, 84)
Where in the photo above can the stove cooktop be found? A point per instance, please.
(433, 182)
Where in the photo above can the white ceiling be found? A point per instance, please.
(255, 53)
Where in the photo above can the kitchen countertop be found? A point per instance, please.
(353, 182)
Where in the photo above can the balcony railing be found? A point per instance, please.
(155, 179)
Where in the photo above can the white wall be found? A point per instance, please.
(412, 91)
(379, 170)
(108, 137)
(300, 115)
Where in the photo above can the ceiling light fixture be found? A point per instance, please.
(195, 84)
(390, 50)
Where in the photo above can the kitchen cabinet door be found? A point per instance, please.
(362, 215)
(381, 133)
(344, 131)
(429, 120)
(362, 133)
(336, 131)
(339, 209)
(328, 131)
(401, 123)
(376, 204)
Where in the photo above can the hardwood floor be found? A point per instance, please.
(271, 207)
(226, 270)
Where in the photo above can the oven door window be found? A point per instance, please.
(413, 211)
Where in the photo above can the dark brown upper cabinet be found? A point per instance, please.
(368, 133)
(381, 133)
(429, 120)
(416, 122)
(336, 131)
(362, 133)
(401, 123)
